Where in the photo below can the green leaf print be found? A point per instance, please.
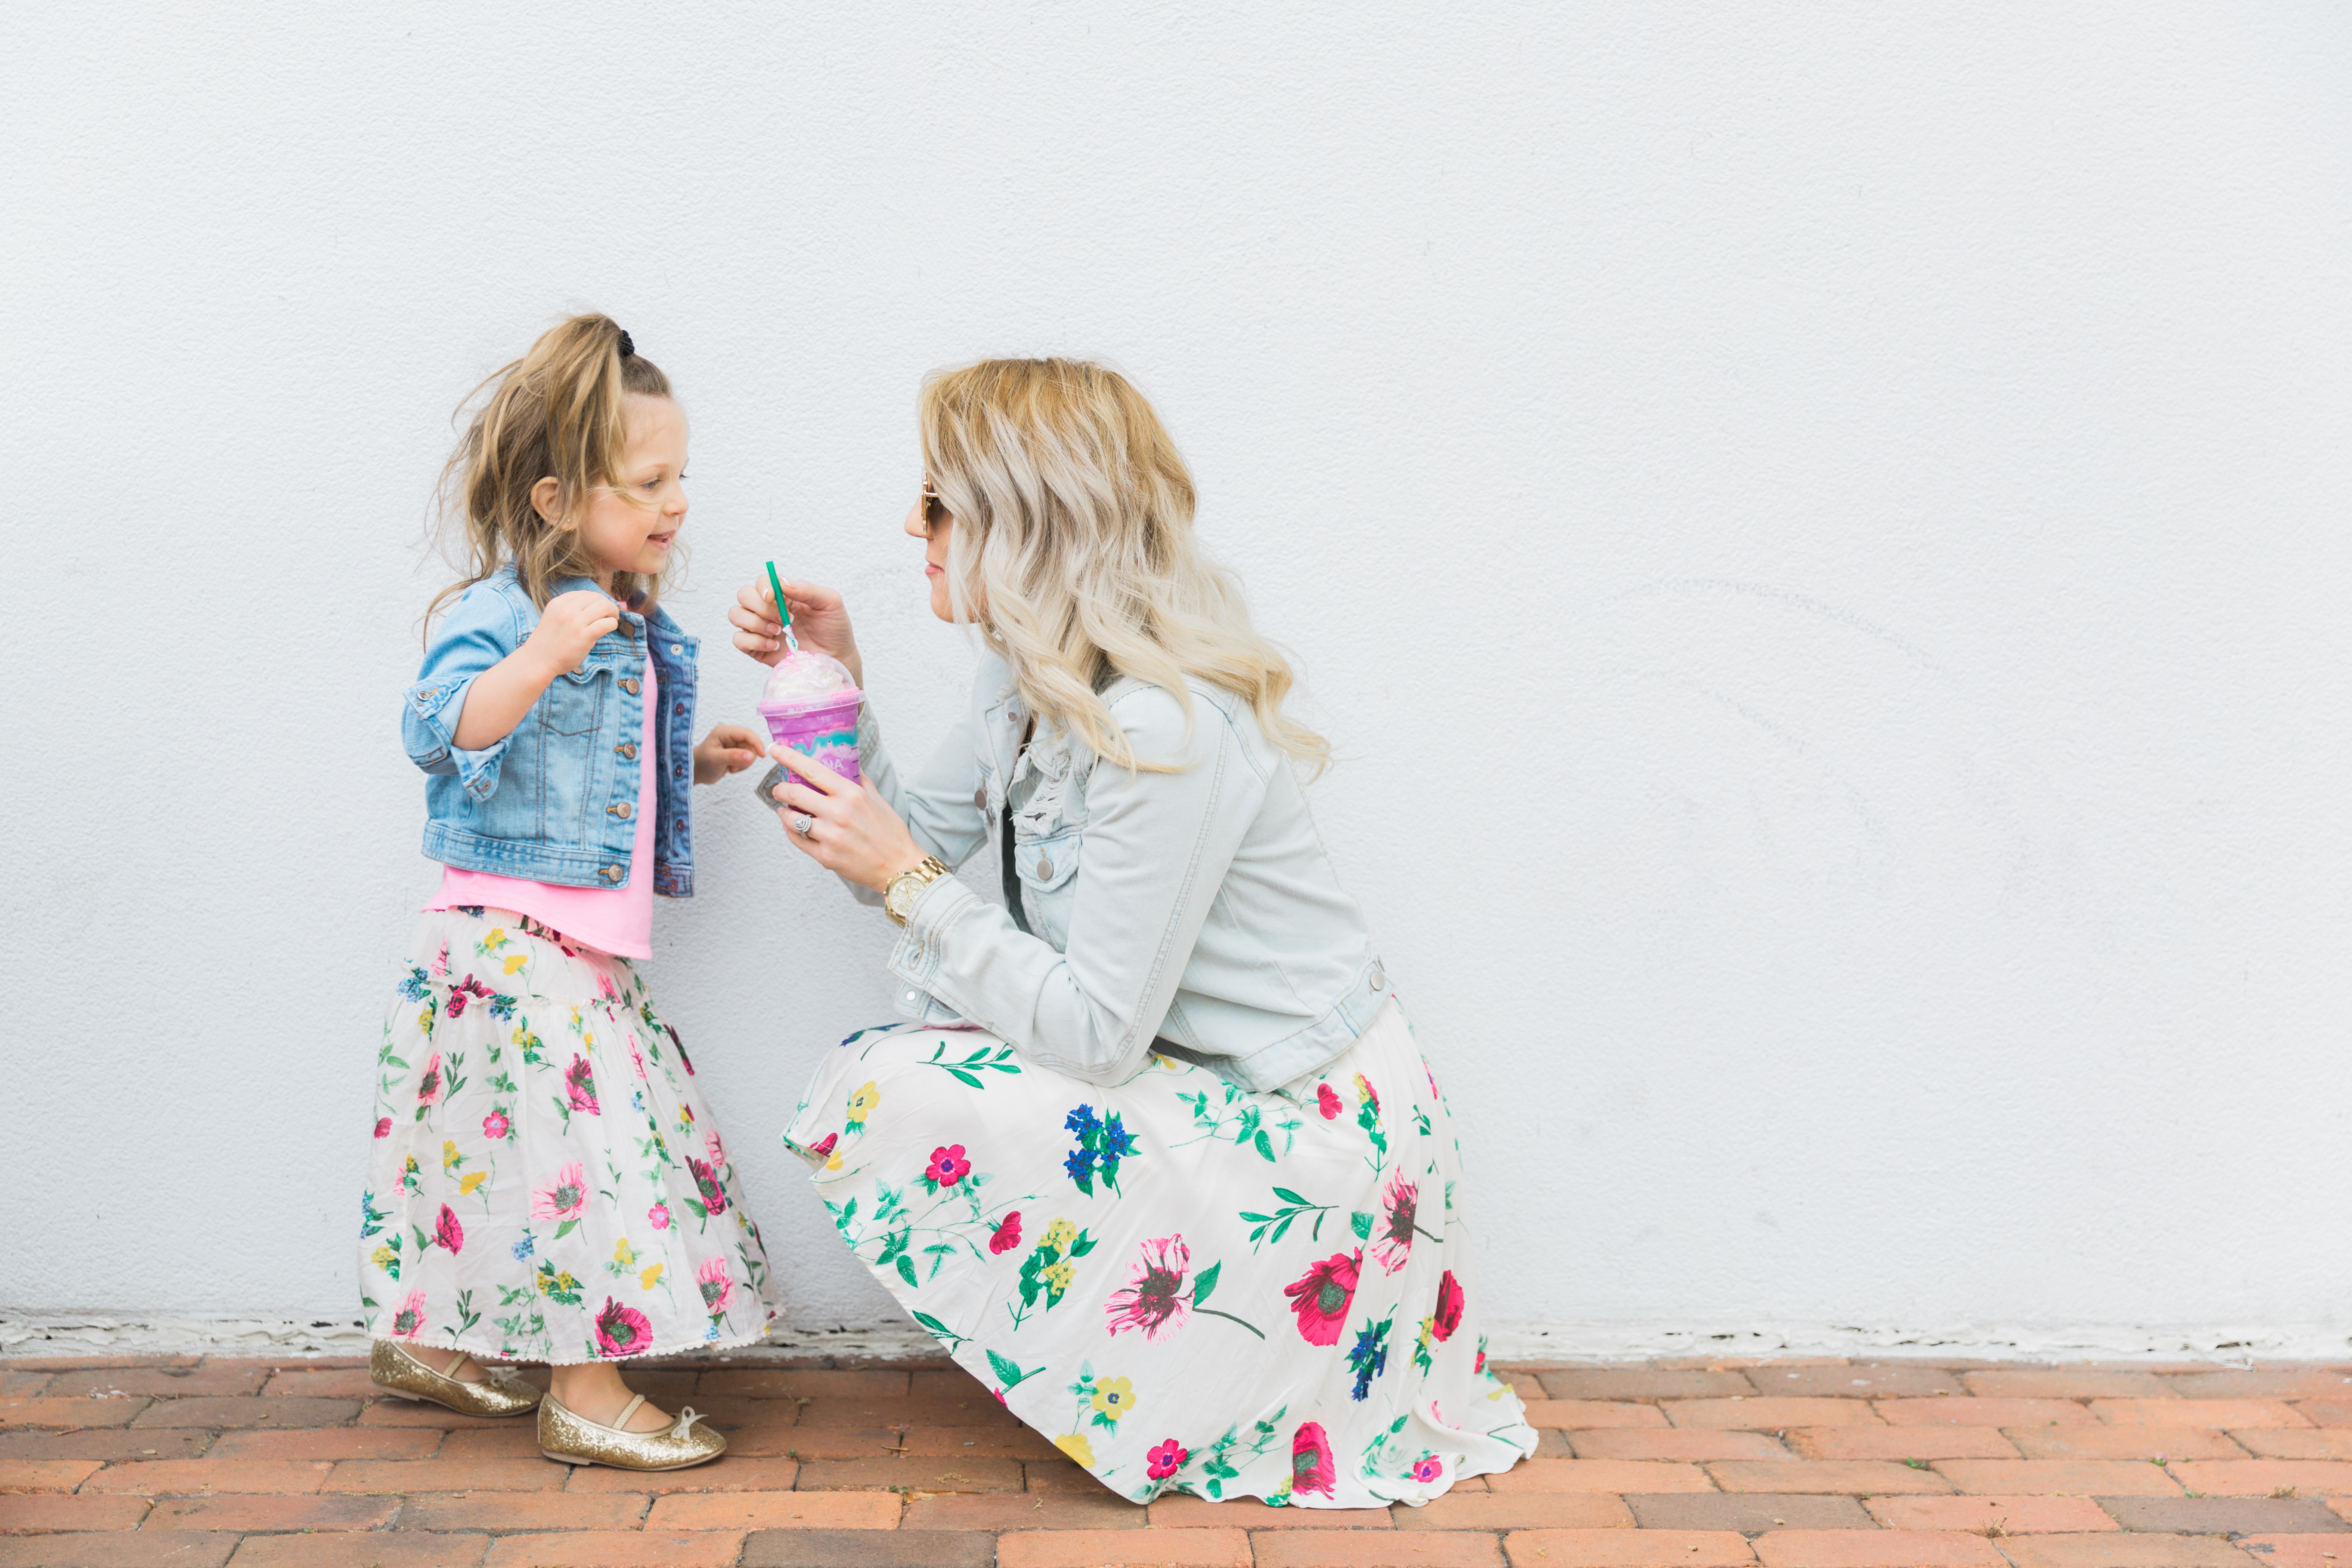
(941, 1331)
(1205, 1282)
(907, 1270)
(1363, 1223)
(566, 1228)
(966, 1070)
(1008, 1372)
(1269, 1227)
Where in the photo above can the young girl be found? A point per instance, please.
(547, 1184)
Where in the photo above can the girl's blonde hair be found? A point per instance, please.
(556, 411)
(1073, 522)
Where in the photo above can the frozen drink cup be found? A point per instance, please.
(811, 705)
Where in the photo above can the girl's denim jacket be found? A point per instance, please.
(1193, 909)
(556, 800)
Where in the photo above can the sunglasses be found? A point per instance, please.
(935, 511)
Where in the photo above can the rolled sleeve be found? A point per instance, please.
(480, 630)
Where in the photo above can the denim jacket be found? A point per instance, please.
(1195, 909)
(556, 800)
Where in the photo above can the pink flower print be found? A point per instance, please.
(409, 1321)
(449, 1233)
(637, 1057)
(706, 1181)
(566, 1198)
(1448, 1316)
(680, 1046)
(1312, 1470)
(1154, 1297)
(718, 1286)
(1392, 1242)
(948, 1166)
(824, 1149)
(605, 985)
(1008, 1230)
(428, 1087)
(493, 1125)
(1366, 1094)
(1327, 1100)
(715, 1149)
(383, 1126)
(1428, 1468)
(1431, 1071)
(1320, 1297)
(659, 1215)
(441, 963)
(622, 1330)
(580, 1080)
(1166, 1459)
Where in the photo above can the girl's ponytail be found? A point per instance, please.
(556, 411)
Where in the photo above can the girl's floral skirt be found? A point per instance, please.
(547, 1184)
(1186, 1286)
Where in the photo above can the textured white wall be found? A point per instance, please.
(1819, 531)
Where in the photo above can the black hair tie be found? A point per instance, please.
(628, 345)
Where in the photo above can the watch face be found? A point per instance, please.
(899, 897)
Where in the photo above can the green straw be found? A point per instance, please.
(783, 615)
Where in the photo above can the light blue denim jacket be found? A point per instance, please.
(1195, 907)
(556, 800)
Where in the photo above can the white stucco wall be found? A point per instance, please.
(1819, 532)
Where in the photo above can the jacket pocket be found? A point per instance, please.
(1046, 864)
(574, 703)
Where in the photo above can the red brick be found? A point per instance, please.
(313, 1383)
(775, 1511)
(735, 1473)
(68, 1413)
(514, 1441)
(1876, 1549)
(2126, 1549)
(108, 1444)
(329, 1443)
(924, 1473)
(1627, 1549)
(613, 1549)
(2289, 1442)
(157, 1477)
(31, 1511)
(1867, 1381)
(2283, 1383)
(1125, 1548)
(2124, 1443)
(2299, 1551)
(1023, 1510)
(2340, 1506)
(246, 1412)
(982, 1411)
(2014, 1515)
(1058, 1474)
(2195, 1412)
(2318, 1412)
(86, 1363)
(447, 1476)
(23, 1385)
(1853, 1477)
(1900, 1443)
(1568, 1414)
(1683, 1443)
(1181, 1511)
(2066, 1382)
(810, 1384)
(1359, 1549)
(1769, 1415)
(2053, 1478)
(160, 1383)
(2260, 1478)
(416, 1412)
(1982, 1412)
(249, 1511)
(508, 1511)
(1599, 1476)
(1643, 1382)
(950, 1382)
(138, 1549)
(1517, 1510)
(44, 1475)
(972, 1442)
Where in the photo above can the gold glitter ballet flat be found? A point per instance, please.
(572, 1438)
(394, 1371)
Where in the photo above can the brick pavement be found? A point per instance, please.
(201, 1462)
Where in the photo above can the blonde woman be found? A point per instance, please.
(1157, 1156)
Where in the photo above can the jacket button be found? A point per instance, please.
(630, 685)
(679, 711)
(612, 873)
(1378, 980)
(627, 749)
(675, 650)
(619, 808)
(678, 771)
(1044, 867)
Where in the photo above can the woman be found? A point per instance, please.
(1154, 1063)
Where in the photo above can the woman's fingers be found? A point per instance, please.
(821, 778)
(799, 796)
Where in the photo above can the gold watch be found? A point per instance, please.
(899, 893)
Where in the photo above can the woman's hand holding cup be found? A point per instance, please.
(851, 830)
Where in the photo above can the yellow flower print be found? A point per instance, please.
(1060, 1234)
(833, 1163)
(424, 1020)
(412, 1166)
(516, 961)
(863, 1102)
(1059, 1275)
(495, 940)
(382, 1257)
(686, 1117)
(450, 1158)
(471, 1179)
(1076, 1447)
(624, 1254)
(1114, 1396)
(646, 1280)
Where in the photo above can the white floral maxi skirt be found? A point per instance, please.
(1186, 1286)
(546, 1183)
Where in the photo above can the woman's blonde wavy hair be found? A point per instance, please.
(1074, 533)
(556, 411)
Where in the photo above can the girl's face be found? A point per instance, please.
(631, 526)
(935, 554)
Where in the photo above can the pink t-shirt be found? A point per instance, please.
(618, 920)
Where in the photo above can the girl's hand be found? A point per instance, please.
(820, 621)
(569, 627)
(853, 832)
(727, 749)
